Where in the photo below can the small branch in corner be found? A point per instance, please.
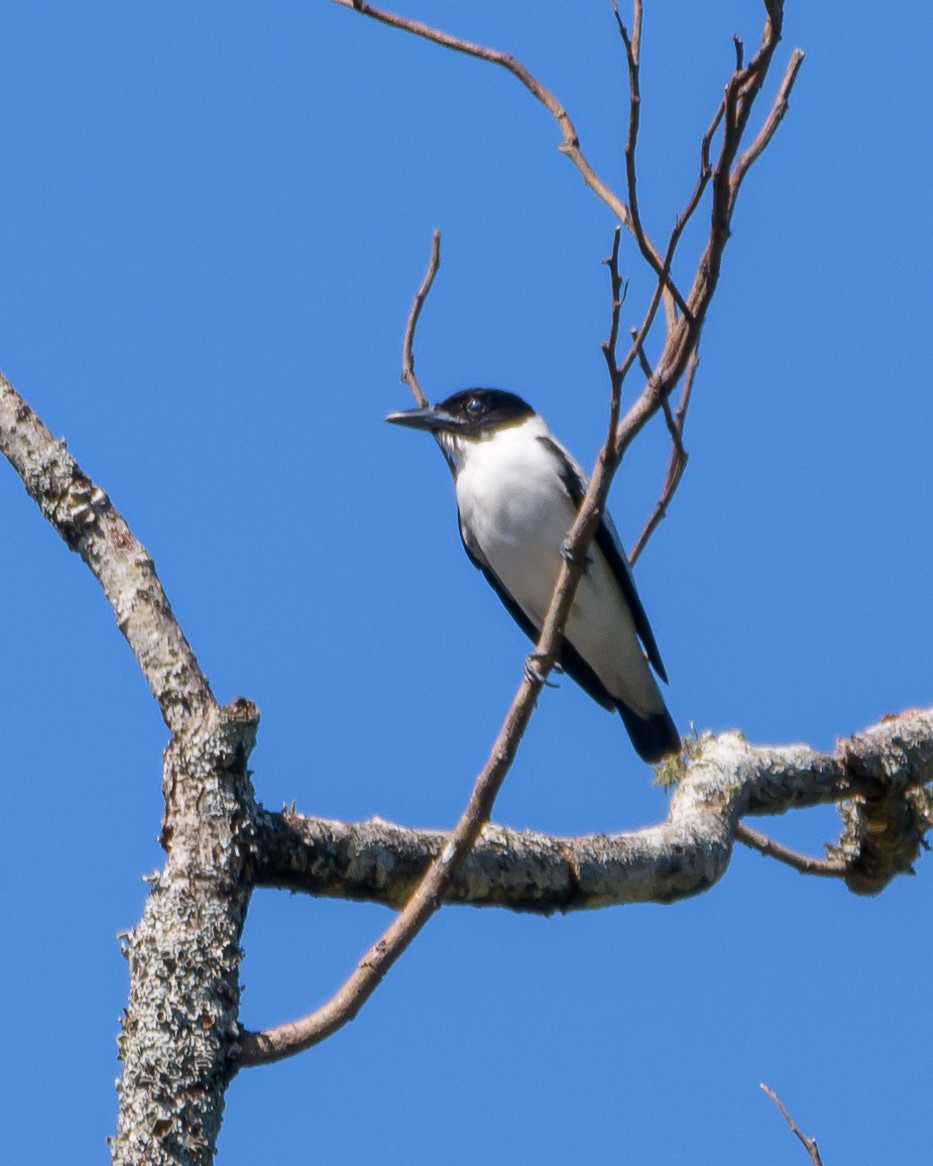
(808, 1143)
(827, 868)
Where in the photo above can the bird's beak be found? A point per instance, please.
(431, 418)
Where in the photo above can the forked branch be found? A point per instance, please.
(684, 327)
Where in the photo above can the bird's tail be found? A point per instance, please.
(654, 737)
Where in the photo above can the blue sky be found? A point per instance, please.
(213, 220)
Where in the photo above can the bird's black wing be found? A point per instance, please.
(570, 659)
(608, 542)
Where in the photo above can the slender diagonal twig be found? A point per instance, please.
(677, 463)
(778, 109)
(827, 868)
(617, 295)
(643, 361)
(408, 356)
(808, 1143)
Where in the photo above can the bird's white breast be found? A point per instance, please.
(518, 512)
(513, 504)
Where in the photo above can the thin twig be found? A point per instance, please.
(740, 94)
(570, 144)
(809, 1143)
(678, 458)
(706, 172)
(779, 108)
(643, 361)
(827, 868)
(617, 295)
(649, 251)
(408, 355)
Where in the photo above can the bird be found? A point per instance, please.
(518, 491)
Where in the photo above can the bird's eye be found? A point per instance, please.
(474, 407)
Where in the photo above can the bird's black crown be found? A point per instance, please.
(482, 410)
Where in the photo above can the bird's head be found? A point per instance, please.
(471, 414)
(468, 417)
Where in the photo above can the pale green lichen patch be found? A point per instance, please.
(672, 769)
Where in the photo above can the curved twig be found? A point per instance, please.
(570, 144)
(408, 355)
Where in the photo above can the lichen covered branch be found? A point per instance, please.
(890, 764)
(90, 524)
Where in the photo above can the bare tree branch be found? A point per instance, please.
(646, 247)
(408, 356)
(778, 110)
(682, 341)
(89, 523)
(831, 868)
(678, 459)
(570, 145)
(726, 780)
(181, 1041)
(808, 1143)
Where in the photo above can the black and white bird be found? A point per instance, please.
(518, 491)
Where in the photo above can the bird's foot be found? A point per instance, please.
(534, 673)
(572, 557)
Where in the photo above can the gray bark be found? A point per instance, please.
(876, 776)
(180, 1026)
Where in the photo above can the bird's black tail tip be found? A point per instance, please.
(654, 737)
